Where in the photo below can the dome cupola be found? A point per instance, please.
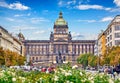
(60, 20)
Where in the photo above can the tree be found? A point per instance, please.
(21, 60)
(112, 56)
(83, 59)
(2, 58)
(92, 60)
(87, 59)
(9, 58)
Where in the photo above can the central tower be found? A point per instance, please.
(60, 29)
(60, 40)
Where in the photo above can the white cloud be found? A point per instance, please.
(60, 3)
(76, 35)
(13, 19)
(90, 21)
(37, 20)
(39, 32)
(10, 19)
(81, 5)
(90, 36)
(63, 3)
(15, 6)
(23, 28)
(115, 10)
(105, 19)
(84, 1)
(117, 2)
(86, 36)
(86, 7)
(19, 15)
(71, 2)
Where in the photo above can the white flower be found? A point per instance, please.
(91, 79)
(47, 71)
(67, 81)
(111, 81)
(13, 74)
(81, 73)
(119, 78)
(20, 77)
(9, 72)
(56, 78)
(68, 74)
(3, 71)
(75, 66)
(13, 79)
(40, 78)
(115, 73)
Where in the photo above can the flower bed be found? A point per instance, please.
(61, 75)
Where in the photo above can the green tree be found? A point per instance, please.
(21, 60)
(83, 59)
(92, 60)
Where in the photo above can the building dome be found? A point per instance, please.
(60, 20)
(21, 36)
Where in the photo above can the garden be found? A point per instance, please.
(61, 74)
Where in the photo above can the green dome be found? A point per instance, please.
(60, 20)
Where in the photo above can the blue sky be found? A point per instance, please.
(35, 18)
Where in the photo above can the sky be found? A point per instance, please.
(35, 18)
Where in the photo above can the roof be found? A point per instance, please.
(60, 20)
(3, 29)
(36, 41)
(60, 26)
(83, 41)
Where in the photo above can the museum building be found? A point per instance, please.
(60, 46)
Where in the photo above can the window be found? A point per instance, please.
(64, 58)
(117, 35)
(36, 58)
(110, 30)
(33, 58)
(117, 27)
(117, 42)
(110, 43)
(110, 37)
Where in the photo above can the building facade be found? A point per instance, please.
(110, 37)
(101, 43)
(60, 43)
(9, 42)
(113, 32)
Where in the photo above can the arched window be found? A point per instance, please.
(0, 34)
(64, 58)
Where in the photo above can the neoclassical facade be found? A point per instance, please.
(60, 43)
(9, 42)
